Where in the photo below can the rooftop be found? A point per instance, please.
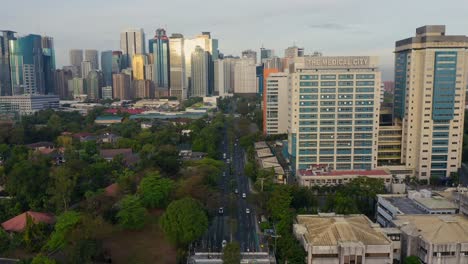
(332, 230)
(435, 203)
(405, 205)
(18, 223)
(261, 145)
(437, 229)
(345, 173)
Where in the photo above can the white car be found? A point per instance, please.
(223, 244)
(243, 195)
(247, 211)
(221, 210)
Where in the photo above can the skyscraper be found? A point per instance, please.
(132, 42)
(122, 86)
(48, 55)
(177, 82)
(293, 52)
(85, 68)
(61, 78)
(219, 78)
(430, 83)
(76, 57)
(334, 117)
(93, 57)
(250, 54)
(106, 66)
(77, 87)
(138, 66)
(161, 59)
(5, 69)
(276, 107)
(149, 72)
(245, 77)
(266, 54)
(199, 68)
(143, 89)
(117, 62)
(94, 84)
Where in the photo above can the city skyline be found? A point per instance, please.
(331, 27)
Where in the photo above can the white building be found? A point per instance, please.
(86, 68)
(276, 104)
(245, 76)
(28, 104)
(107, 92)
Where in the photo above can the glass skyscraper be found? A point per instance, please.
(106, 66)
(5, 70)
(161, 59)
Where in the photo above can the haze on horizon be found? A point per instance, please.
(334, 27)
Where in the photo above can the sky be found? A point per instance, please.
(333, 27)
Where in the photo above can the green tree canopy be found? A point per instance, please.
(132, 214)
(64, 225)
(41, 259)
(184, 221)
(231, 253)
(155, 191)
(411, 260)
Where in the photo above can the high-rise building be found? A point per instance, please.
(266, 54)
(143, 89)
(48, 56)
(5, 69)
(161, 59)
(76, 57)
(85, 68)
(138, 66)
(27, 65)
(245, 76)
(199, 68)
(122, 86)
(333, 120)
(61, 78)
(93, 57)
(260, 80)
(117, 65)
(106, 66)
(292, 52)
(106, 92)
(132, 42)
(430, 83)
(229, 67)
(177, 82)
(273, 63)
(77, 87)
(94, 84)
(276, 107)
(250, 54)
(219, 78)
(149, 72)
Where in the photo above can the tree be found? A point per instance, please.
(132, 214)
(231, 253)
(411, 260)
(279, 203)
(155, 191)
(4, 240)
(62, 187)
(184, 221)
(64, 225)
(34, 234)
(41, 259)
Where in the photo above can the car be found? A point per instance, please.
(236, 191)
(223, 244)
(243, 195)
(224, 174)
(247, 211)
(221, 210)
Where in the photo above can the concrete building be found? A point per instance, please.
(199, 76)
(324, 177)
(138, 66)
(219, 88)
(250, 54)
(28, 104)
(245, 76)
(61, 78)
(389, 145)
(122, 86)
(85, 69)
(106, 92)
(266, 54)
(94, 82)
(293, 52)
(76, 87)
(430, 84)
(149, 72)
(330, 238)
(177, 82)
(434, 239)
(229, 66)
(276, 107)
(389, 206)
(143, 89)
(132, 42)
(334, 114)
(273, 63)
(76, 57)
(93, 57)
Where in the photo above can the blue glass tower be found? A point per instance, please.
(106, 66)
(161, 59)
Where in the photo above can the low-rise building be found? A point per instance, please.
(28, 104)
(108, 120)
(322, 177)
(330, 238)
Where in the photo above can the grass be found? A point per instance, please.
(140, 247)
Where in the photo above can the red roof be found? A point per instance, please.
(345, 172)
(112, 190)
(18, 223)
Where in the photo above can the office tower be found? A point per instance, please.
(76, 87)
(149, 72)
(94, 84)
(150, 45)
(122, 86)
(5, 69)
(106, 92)
(245, 76)
(259, 73)
(334, 117)
(430, 83)
(143, 89)
(273, 63)
(276, 107)
(76, 57)
(73, 69)
(93, 57)
(85, 68)
(48, 56)
(229, 66)
(219, 78)
(293, 52)
(199, 68)
(27, 65)
(177, 83)
(61, 78)
(161, 59)
(250, 54)
(138, 66)
(132, 42)
(266, 54)
(117, 65)
(106, 66)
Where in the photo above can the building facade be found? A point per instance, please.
(245, 76)
(250, 54)
(122, 86)
(177, 83)
(334, 120)
(85, 69)
(61, 78)
(276, 107)
(94, 83)
(106, 67)
(5, 69)
(93, 57)
(76, 57)
(161, 59)
(30, 103)
(199, 73)
(138, 66)
(132, 42)
(266, 54)
(430, 84)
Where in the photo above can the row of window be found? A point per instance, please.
(340, 76)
